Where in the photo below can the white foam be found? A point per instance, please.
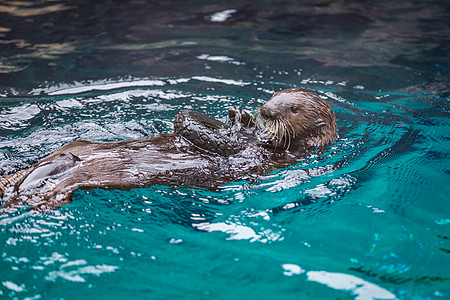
(222, 16)
(225, 81)
(363, 290)
(13, 287)
(104, 87)
(291, 269)
(237, 232)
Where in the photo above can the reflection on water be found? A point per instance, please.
(366, 219)
(28, 9)
(360, 288)
(80, 37)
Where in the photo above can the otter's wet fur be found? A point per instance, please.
(294, 122)
(297, 120)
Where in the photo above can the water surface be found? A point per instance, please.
(368, 219)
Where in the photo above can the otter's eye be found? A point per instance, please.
(294, 109)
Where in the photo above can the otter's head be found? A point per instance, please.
(296, 119)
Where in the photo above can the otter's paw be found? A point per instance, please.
(237, 115)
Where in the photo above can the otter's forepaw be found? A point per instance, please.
(237, 115)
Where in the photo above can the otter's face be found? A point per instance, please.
(281, 105)
(297, 118)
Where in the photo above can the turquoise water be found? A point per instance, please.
(368, 219)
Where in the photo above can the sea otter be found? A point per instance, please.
(202, 152)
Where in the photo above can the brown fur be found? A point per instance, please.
(169, 159)
(309, 118)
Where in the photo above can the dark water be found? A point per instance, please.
(369, 219)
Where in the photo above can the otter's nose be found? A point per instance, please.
(269, 111)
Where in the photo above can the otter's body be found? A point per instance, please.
(165, 160)
(170, 159)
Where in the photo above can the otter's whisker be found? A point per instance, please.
(279, 131)
(291, 128)
(285, 133)
(291, 132)
(277, 123)
(289, 137)
(282, 133)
